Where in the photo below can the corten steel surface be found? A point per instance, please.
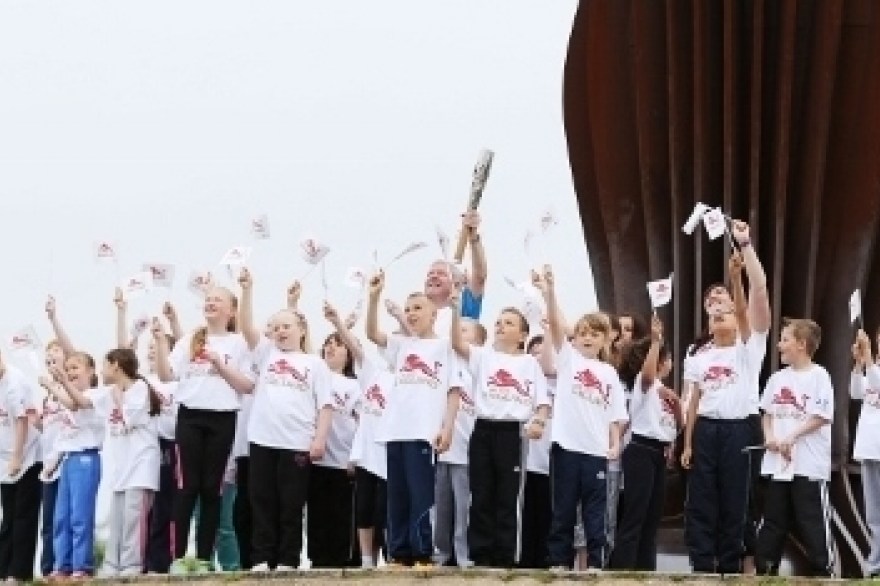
(770, 109)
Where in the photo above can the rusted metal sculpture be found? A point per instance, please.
(768, 108)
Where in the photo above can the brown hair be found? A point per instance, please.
(127, 361)
(482, 334)
(348, 368)
(89, 362)
(806, 331)
(523, 321)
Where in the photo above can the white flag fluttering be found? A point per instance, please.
(25, 339)
(697, 214)
(137, 285)
(260, 227)
(313, 251)
(163, 274)
(105, 251)
(660, 292)
(715, 224)
(855, 306)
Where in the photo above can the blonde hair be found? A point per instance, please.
(482, 334)
(598, 322)
(806, 331)
(200, 336)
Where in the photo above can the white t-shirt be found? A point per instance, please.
(130, 458)
(790, 398)
(200, 386)
(81, 430)
(291, 389)
(867, 390)
(589, 398)
(506, 387)
(240, 443)
(166, 422)
(17, 399)
(425, 369)
(650, 415)
(727, 377)
(344, 392)
(375, 383)
(52, 419)
(538, 458)
(464, 422)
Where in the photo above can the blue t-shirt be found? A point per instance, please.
(471, 305)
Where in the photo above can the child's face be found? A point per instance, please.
(335, 354)
(109, 373)
(789, 347)
(589, 341)
(420, 314)
(536, 349)
(288, 332)
(218, 305)
(721, 319)
(470, 333)
(626, 329)
(509, 329)
(78, 372)
(716, 296)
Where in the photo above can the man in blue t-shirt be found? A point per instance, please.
(439, 281)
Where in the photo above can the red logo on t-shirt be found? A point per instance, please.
(786, 396)
(503, 379)
(718, 377)
(593, 385)
(282, 367)
(374, 394)
(412, 363)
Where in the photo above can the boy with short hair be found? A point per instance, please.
(798, 407)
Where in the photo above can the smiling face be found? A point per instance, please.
(289, 332)
(79, 372)
(335, 353)
(438, 283)
(54, 354)
(420, 314)
(219, 306)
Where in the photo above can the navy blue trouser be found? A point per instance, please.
(158, 555)
(410, 488)
(577, 478)
(47, 557)
(717, 494)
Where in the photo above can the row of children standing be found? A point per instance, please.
(450, 418)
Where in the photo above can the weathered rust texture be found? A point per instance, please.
(768, 108)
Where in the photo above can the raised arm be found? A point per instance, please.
(459, 344)
(60, 335)
(740, 306)
(122, 340)
(293, 294)
(374, 334)
(163, 365)
(547, 286)
(344, 333)
(396, 312)
(759, 298)
(246, 309)
(173, 320)
(61, 390)
(649, 366)
(479, 272)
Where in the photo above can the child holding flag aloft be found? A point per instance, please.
(798, 407)
(717, 433)
(508, 388)
(418, 420)
(589, 409)
(655, 415)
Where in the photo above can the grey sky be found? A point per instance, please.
(166, 125)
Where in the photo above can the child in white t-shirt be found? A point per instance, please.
(127, 405)
(508, 388)
(19, 475)
(798, 407)
(419, 419)
(865, 387)
(589, 411)
(287, 431)
(452, 491)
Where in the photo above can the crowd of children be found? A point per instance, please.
(540, 445)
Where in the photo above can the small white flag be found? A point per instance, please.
(356, 278)
(534, 314)
(443, 241)
(199, 282)
(137, 284)
(260, 227)
(236, 256)
(691, 224)
(25, 338)
(163, 274)
(411, 248)
(713, 220)
(660, 292)
(313, 251)
(139, 326)
(105, 251)
(855, 305)
(355, 314)
(548, 220)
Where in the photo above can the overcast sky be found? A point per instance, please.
(166, 126)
